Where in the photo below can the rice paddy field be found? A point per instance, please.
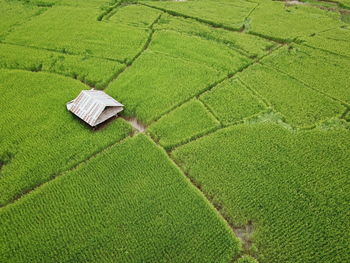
(241, 152)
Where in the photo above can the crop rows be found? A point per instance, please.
(292, 186)
(246, 44)
(336, 41)
(303, 63)
(76, 30)
(96, 4)
(188, 121)
(274, 19)
(37, 133)
(226, 13)
(14, 13)
(174, 66)
(300, 105)
(135, 15)
(231, 102)
(191, 48)
(245, 157)
(95, 72)
(130, 204)
(166, 82)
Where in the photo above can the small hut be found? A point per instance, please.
(94, 106)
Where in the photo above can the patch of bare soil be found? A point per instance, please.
(294, 2)
(244, 234)
(137, 126)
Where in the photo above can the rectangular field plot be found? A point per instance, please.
(135, 15)
(231, 101)
(39, 137)
(320, 70)
(188, 121)
(222, 12)
(191, 48)
(77, 31)
(128, 204)
(335, 40)
(98, 4)
(251, 46)
(292, 187)
(156, 83)
(94, 71)
(14, 13)
(300, 105)
(276, 20)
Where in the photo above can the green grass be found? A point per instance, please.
(156, 83)
(77, 31)
(135, 15)
(98, 4)
(93, 71)
(249, 45)
(129, 204)
(191, 48)
(343, 3)
(231, 102)
(300, 105)
(188, 121)
(319, 70)
(273, 19)
(225, 13)
(336, 41)
(244, 155)
(14, 13)
(294, 187)
(247, 259)
(39, 137)
(172, 71)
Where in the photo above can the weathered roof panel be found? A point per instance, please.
(94, 106)
(103, 98)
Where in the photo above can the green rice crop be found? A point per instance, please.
(216, 12)
(128, 204)
(77, 31)
(93, 71)
(98, 4)
(336, 40)
(188, 121)
(303, 63)
(293, 187)
(14, 13)
(135, 15)
(173, 64)
(231, 101)
(156, 83)
(245, 152)
(39, 137)
(247, 259)
(250, 45)
(191, 48)
(276, 20)
(300, 105)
